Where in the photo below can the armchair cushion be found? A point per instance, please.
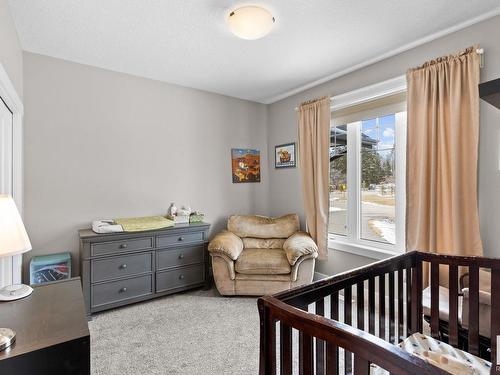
(263, 243)
(262, 262)
(298, 245)
(226, 243)
(263, 227)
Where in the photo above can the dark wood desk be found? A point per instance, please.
(52, 332)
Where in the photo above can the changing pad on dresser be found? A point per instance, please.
(138, 224)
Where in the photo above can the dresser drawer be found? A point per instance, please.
(117, 291)
(179, 256)
(111, 247)
(125, 265)
(178, 278)
(178, 239)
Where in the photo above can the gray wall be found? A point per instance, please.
(11, 55)
(282, 124)
(104, 144)
(100, 144)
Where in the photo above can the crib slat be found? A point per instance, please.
(334, 306)
(320, 344)
(285, 349)
(306, 364)
(400, 306)
(348, 305)
(392, 302)
(495, 312)
(271, 341)
(267, 341)
(416, 298)
(348, 321)
(435, 299)
(361, 366)
(371, 305)
(320, 307)
(332, 351)
(453, 307)
(474, 310)
(332, 359)
(408, 302)
(381, 306)
(360, 304)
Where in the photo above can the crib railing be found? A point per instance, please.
(304, 331)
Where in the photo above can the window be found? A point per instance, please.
(367, 174)
(338, 180)
(378, 183)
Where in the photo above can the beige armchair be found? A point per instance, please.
(259, 255)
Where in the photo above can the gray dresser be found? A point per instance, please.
(122, 268)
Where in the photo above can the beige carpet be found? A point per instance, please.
(199, 333)
(190, 333)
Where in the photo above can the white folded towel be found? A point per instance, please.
(106, 226)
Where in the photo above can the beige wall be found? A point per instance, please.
(11, 55)
(100, 144)
(283, 128)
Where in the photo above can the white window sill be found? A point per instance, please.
(361, 249)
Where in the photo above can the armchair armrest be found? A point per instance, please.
(484, 280)
(484, 296)
(298, 245)
(226, 243)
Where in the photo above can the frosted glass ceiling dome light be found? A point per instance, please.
(250, 22)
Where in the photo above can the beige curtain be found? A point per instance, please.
(442, 153)
(314, 163)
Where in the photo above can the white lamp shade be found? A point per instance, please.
(250, 22)
(13, 237)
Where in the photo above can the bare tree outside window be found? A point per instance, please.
(338, 180)
(378, 185)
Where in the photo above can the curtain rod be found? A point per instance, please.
(479, 51)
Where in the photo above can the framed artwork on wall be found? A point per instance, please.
(245, 165)
(285, 156)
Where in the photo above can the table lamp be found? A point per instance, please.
(13, 241)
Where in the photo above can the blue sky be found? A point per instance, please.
(244, 151)
(385, 134)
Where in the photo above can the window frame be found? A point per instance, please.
(9, 96)
(353, 242)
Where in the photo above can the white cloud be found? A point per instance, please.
(388, 132)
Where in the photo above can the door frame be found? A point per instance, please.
(9, 95)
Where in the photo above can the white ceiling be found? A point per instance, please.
(187, 42)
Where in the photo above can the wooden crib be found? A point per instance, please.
(299, 334)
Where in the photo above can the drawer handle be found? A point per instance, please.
(181, 256)
(181, 277)
(123, 266)
(123, 290)
(181, 238)
(123, 246)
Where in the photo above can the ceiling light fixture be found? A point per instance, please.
(250, 22)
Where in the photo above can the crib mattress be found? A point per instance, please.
(444, 303)
(440, 354)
